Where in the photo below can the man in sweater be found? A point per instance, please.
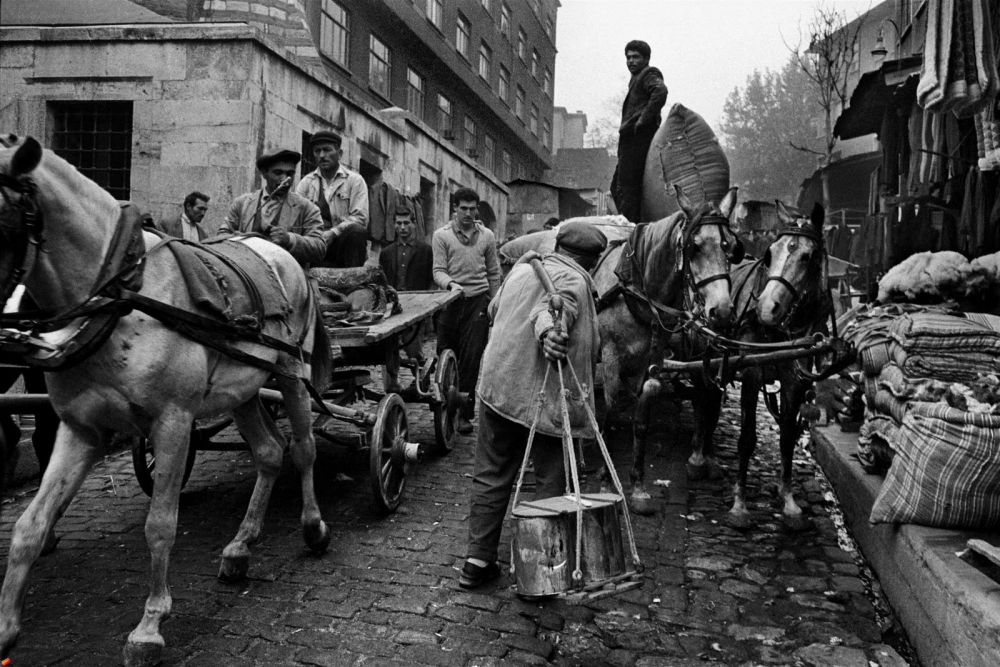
(408, 266)
(640, 119)
(342, 198)
(465, 259)
(524, 342)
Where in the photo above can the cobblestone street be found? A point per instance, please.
(387, 591)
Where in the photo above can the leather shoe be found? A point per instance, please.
(474, 576)
(464, 426)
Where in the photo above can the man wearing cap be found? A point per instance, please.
(289, 220)
(342, 198)
(407, 263)
(523, 343)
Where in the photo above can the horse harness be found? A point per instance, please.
(114, 295)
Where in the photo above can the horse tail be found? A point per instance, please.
(322, 358)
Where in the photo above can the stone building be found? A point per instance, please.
(177, 100)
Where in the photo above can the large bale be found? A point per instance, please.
(685, 152)
(614, 227)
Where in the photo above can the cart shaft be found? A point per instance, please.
(13, 404)
(348, 414)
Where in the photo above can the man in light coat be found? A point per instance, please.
(523, 342)
(342, 198)
(284, 217)
(640, 119)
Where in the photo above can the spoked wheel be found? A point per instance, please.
(144, 458)
(387, 453)
(446, 412)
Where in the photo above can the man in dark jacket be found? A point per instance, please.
(186, 224)
(640, 119)
(408, 266)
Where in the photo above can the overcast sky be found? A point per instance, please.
(704, 48)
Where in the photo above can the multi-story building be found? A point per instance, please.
(431, 95)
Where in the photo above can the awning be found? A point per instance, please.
(875, 92)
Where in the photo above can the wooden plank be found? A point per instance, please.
(417, 306)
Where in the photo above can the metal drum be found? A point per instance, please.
(543, 543)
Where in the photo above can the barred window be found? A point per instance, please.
(503, 85)
(471, 136)
(462, 32)
(444, 116)
(519, 103)
(96, 138)
(415, 92)
(489, 152)
(335, 32)
(379, 67)
(485, 61)
(434, 10)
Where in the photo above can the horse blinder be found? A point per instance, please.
(23, 235)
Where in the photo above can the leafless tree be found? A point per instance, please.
(602, 131)
(827, 61)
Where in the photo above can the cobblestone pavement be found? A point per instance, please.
(386, 593)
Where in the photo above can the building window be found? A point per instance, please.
(444, 116)
(96, 138)
(462, 32)
(435, 9)
(471, 137)
(522, 44)
(489, 151)
(379, 67)
(505, 21)
(505, 167)
(503, 85)
(485, 4)
(533, 120)
(519, 103)
(522, 170)
(550, 28)
(415, 93)
(335, 32)
(485, 61)
(535, 7)
(547, 82)
(546, 133)
(535, 58)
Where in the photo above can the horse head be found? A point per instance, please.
(795, 266)
(707, 247)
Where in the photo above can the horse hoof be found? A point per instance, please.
(796, 522)
(235, 563)
(641, 503)
(51, 542)
(739, 520)
(317, 537)
(697, 472)
(142, 654)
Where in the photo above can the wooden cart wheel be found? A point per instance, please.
(446, 413)
(386, 449)
(144, 462)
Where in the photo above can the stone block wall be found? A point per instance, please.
(207, 100)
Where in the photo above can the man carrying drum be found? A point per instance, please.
(523, 342)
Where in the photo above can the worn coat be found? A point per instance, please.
(418, 273)
(298, 216)
(173, 226)
(514, 366)
(646, 96)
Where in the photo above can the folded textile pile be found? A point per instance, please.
(932, 421)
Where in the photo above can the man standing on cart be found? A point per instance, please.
(342, 198)
(408, 266)
(466, 259)
(524, 342)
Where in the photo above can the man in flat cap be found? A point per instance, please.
(342, 198)
(523, 342)
(289, 220)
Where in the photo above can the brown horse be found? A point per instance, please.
(682, 263)
(144, 378)
(783, 296)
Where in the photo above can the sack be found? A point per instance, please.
(685, 152)
(946, 470)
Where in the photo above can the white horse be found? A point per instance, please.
(147, 379)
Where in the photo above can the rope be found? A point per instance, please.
(568, 449)
(531, 435)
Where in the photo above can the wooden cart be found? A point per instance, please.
(384, 433)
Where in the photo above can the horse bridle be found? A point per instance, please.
(32, 224)
(694, 287)
(805, 232)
